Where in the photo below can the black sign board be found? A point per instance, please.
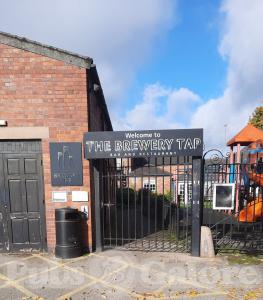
(150, 143)
(66, 164)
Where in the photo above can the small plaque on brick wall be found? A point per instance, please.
(80, 196)
(59, 196)
(66, 164)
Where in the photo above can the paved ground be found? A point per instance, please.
(127, 275)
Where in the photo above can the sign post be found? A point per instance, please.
(150, 143)
(196, 205)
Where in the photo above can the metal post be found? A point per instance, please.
(196, 205)
(98, 194)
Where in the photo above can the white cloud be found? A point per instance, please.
(241, 44)
(160, 107)
(121, 35)
(118, 34)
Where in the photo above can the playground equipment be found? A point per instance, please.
(238, 228)
(254, 209)
(257, 178)
(252, 212)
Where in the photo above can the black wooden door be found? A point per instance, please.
(22, 202)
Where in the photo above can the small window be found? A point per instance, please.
(149, 185)
(185, 191)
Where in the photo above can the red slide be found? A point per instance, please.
(257, 178)
(252, 212)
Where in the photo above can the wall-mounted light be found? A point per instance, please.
(3, 123)
(96, 87)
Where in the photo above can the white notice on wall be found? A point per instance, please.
(80, 196)
(59, 196)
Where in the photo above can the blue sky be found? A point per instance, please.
(162, 63)
(188, 54)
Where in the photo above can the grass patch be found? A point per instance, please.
(244, 259)
(172, 238)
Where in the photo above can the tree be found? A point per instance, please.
(257, 118)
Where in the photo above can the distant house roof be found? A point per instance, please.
(150, 171)
(159, 161)
(49, 51)
(247, 135)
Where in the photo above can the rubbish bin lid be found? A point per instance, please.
(66, 213)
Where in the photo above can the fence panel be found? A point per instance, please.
(239, 227)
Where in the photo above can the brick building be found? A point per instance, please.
(162, 175)
(47, 95)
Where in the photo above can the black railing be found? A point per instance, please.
(147, 204)
(239, 228)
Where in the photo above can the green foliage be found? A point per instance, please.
(126, 195)
(257, 118)
(169, 196)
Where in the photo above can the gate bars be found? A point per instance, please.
(239, 229)
(149, 204)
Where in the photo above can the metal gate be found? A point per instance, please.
(22, 222)
(147, 187)
(241, 227)
(147, 203)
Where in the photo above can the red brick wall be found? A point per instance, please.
(40, 91)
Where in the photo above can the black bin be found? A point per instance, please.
(68, 233)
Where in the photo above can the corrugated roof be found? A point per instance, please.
(247, 135)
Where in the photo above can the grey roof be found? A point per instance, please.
(160, 161)
(149, 171)
(45, 50)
